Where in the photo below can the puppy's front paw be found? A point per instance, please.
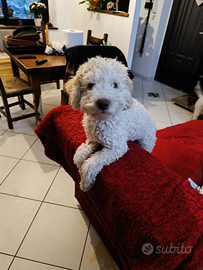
(78, 159)
(88, 175)
(85, 186)
(83, 152)
(80, 155)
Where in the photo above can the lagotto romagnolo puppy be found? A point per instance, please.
(102, 90)
(198, 109)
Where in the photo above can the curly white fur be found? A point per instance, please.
(102, 90)
(198, 109)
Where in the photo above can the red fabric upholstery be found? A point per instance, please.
(189, 133)
(183, 159)
(137, 199)
(181, 148)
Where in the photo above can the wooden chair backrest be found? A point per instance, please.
(94, 40)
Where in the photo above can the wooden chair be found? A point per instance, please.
(13, 87)
(44, 30)
(94, 40)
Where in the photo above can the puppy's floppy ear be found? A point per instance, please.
(73, 89)
(129, 84)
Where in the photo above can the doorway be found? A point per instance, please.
(181, 59)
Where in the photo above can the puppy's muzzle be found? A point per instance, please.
(103, 104)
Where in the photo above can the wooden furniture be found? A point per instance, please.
(11, 88)
(45, 39)
(94, 40)
(53, 69)
(116, 13)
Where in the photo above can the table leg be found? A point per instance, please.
(35, 84)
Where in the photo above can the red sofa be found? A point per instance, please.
(138, 200)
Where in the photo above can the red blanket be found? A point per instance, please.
(136, 199)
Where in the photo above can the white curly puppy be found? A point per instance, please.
(102, 90)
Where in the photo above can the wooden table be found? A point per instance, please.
(53, 69)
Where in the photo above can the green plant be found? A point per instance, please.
(101, 4)
(37, 8)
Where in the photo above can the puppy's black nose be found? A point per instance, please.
(103, 104)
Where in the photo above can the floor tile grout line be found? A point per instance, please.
(40, 201)
(169, 112)
(29, 148)
(49, 104)
(84, 246)
(51, 184)
(6, 254)
(23, 132)
(9, 157)
(19, 160)
(63, 205)
(43, 263)
(20, 197)
(4, 131)
(26, 233)
(57, 204)
(10, 172)
(40, 162)
(20, 133)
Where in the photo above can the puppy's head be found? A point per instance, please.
(101, 88)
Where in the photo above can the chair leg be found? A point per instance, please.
(10, 123)
(7, 114)
(5, 109)
(22, 103)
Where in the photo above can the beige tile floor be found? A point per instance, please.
(42, 226)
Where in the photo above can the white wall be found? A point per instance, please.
(68, 14)
(145, 66)
(124, 32)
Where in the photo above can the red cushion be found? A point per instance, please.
(185, 160)
(189, 133)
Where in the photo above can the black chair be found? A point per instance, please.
(77, 55)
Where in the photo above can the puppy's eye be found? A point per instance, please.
(90, 85)
(115, 85)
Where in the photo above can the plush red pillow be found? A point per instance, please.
(185, 160)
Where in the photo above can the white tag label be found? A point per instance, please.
(192, 183)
